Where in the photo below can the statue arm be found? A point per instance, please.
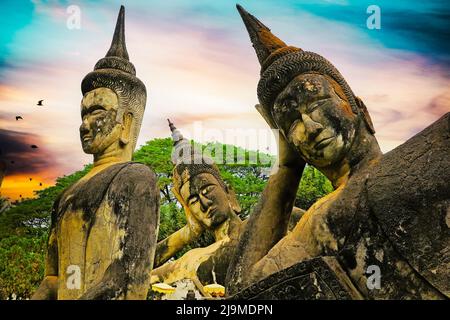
(171, 245)
(269, 221)
(134, 197)
(266, 226)
(48, 289)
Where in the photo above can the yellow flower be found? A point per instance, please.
(216, 290)
(163, 288)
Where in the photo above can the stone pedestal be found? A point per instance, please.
(316, 279)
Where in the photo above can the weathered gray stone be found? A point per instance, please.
(388, 214)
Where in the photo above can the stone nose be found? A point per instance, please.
(312, 127)
(205, 203)
(84, 128)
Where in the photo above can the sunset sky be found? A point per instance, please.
(200, 70)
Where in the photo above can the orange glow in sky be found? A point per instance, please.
(15, 186)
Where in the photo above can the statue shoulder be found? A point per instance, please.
(134, 180)
(136, 173)
(408, 193)
(90, 192)
(419, 168)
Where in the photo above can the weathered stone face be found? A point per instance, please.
(99, 128)
(206, 199)
(316, 119)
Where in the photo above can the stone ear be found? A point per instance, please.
(266, 116)
(179, 198)
(126, 128)
(233, 200)
(367, 120)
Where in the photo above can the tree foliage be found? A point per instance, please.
(313, 186)
(21, 265)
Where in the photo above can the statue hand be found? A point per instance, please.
(193, 228)
(154, 279)
(287, 156)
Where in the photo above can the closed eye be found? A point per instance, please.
(93, 110)
(193, 200)
(313, 106)
(207, 189)
(286, 106)
(96, 109)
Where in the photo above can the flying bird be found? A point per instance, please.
(31, 179)
(40, 184)
(33, 146)
(40, 103)
(19, 118)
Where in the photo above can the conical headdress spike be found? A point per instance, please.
(176, 134)
(264, 42)
(118, 47)
(171, 125)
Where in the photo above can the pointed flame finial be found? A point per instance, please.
(264, 42)
(176, 134)
(118, 47)
(171, 125)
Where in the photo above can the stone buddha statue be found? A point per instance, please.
(389, 212)
(209, 204)
(104, 227)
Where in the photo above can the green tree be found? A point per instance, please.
(21, 265)
(313, 186)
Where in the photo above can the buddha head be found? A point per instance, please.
(307, 99)
(199, 186)
(113, 100)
